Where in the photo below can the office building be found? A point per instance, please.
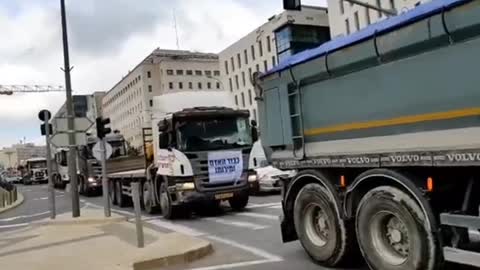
(12, 157)
(280, 37)
(129, 104)
(346, 17)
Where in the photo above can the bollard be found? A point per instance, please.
(138, 213)
(2, 199)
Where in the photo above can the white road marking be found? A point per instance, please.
(175, 227)
(261, 205)
(231, 265)
(24, 216)
(40, 199)
(242, 224)
(14, 225)
(257, 215)
(276, 207)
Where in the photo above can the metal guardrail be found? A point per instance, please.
(8, 197)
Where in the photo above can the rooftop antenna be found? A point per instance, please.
(176, 29)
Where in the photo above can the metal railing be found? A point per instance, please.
(8, 197)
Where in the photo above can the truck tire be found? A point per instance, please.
(239, 203)
(324, 235)
(112, 192)
(121, 198)
(169, 211)
(392, 232)
(148, 199)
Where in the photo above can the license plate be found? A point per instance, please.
(223, 196)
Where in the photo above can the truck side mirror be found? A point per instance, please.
(254, 130)
(163, 140)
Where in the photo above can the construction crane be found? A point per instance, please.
(11, 89)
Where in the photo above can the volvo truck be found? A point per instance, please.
(383, 128)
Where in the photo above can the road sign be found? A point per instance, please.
(80, 124)
(61, 139)
(44, 115)
(97, 151)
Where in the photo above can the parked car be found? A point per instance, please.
(269, 179)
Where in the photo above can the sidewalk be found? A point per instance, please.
(95, 243)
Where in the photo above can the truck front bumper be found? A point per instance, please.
(182, 197)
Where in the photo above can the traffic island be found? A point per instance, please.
(93, 243)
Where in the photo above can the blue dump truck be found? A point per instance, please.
(383, 127)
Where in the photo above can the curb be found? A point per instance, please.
(19, 201)
(183, 258)
(90, 221)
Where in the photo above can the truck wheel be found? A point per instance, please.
(168, 210)
(392, 232)
(239, 203)
(148, 199)
(322, 233)
(121, 198)
(112, 192)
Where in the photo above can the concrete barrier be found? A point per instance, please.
(8, 198)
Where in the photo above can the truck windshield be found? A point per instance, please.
(211, 134)
(38, 164)
(61, 157)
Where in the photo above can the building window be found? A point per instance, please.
(208, 73)
(257, 67)
(342, 8)
(274, 61)
(151, 103)
(392, 4)
(236, 100)
(170, 85)
(149, 74)
(190, 85)
(260, 48)
(180, 72)
(243, 79)
(253, 52)
(250, 73)
(198, 72)
(209, 85)
(243, 100)
(250, 99)
(216, 73)
(357, 21)
(236, 82)
(347, 27)
(239, 60)
(231, 84)
(150, 88)
(255, 114)
(169, 71)
(226, 67)
(218, 85)
(189, 72)
(367, 16)
(245, 56)
(232, 63)
(269, 45)
(379, 5)
(199, 85)
(180, 85)
(265, 65)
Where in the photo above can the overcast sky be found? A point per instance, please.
(107, 38)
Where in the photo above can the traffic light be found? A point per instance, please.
(102, 129)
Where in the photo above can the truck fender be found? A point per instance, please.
(370, 179)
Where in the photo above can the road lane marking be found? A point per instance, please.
(40, 199)
(14, 225)
(261, 205)
(276, 207)
(24, 216)
(242, 224)
(257, 215)
(175, 227)
(232, 265)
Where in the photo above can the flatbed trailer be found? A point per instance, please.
(383, 128)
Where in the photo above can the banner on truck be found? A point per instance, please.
(225, 166)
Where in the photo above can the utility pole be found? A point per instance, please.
(72, 153)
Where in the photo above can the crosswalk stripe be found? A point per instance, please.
(261, 205)
(175, 227)
(242, 224)
(276, 207)
(257, 215)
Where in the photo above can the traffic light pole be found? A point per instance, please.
(72, 153)
(51, 189)
(105, 188)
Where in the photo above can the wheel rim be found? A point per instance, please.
(317, 225)
(164, 201)
(390, 237)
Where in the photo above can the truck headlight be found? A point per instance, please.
(252, 178)
(186, 186)
(91, 179)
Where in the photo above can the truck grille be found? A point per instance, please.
(199, 161)
(38, 174)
